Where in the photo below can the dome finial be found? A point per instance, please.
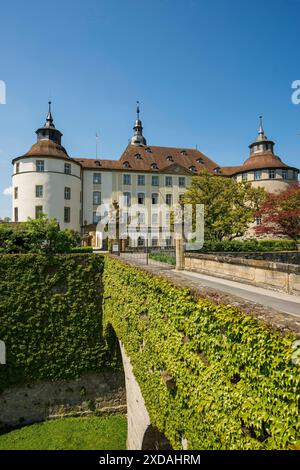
(138, 138)
(261, 133)
(49, 119)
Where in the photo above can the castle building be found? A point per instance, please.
(70, 189)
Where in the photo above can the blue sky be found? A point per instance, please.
(202, 70)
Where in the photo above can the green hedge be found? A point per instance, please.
(82, 249)
(208, 373)
(51, 317)
(249, 246)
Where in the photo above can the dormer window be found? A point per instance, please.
(154, 166)
(217, 170)
(138, 156)
(200, 160)
(193, 169)
(126, 165)
(170, 158)
(148, 150)
(183, 152)
(97, 163)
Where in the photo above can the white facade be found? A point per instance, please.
(50, 191)
(46, 180)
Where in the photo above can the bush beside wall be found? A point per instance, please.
(51, 318)
(209, 374)
(249, 246)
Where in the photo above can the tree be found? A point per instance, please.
(229, 206)
(37, 236)
(280, 213)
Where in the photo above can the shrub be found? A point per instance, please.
(249, 246)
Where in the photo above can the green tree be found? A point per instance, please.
(229, 206)
(40, 235)
(44, 236)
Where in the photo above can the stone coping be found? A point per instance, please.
(254, 263)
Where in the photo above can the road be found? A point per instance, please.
(281, 302)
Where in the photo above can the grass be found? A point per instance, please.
(163, 258)
(92, 433)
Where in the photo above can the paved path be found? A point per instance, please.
(285, 303)
(279, 301)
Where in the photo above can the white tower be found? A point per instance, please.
(46, 180)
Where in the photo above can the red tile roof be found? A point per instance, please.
(153, 159)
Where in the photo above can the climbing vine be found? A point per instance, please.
(210, 375)
(51, 317)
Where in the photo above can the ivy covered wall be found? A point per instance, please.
(51, 317)
(210, 375)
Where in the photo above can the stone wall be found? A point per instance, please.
(286, 257)
(94, 393)
(279, 276)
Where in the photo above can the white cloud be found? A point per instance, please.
(7, 191)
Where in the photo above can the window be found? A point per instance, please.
(181, 197)
(154, 198)
(16, 191)
(245, 177)
(183, 152)
(39, 191)
(193, 169)
(148, 150)
(126, 218)
(96, 198)
(141, 218)
(155, 181)
(217, 170)
(141, 180)
(16, 214)
(97, 178)
(67, 193)
(127, 180)
(154, 218)
(67, 215)
(141, 198)
(258, 220)
(169, 241)
(181, 181)
(170, 158)
(200, 160)
(67, 168)
(138, 156)
(169, 181)
(40, 166)
(17, 167)
(154, 241)
(126, 165)
(257, 175)
(141, 241)
(154, 166)
(284, 174)
(272, 174)
(127, 199)
(38, 212)
(295, 174)
(96, 217)
(169, 199)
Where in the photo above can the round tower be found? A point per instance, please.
(47, 181)
(265, 169)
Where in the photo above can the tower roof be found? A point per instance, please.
(138, 138)
(48, 131)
